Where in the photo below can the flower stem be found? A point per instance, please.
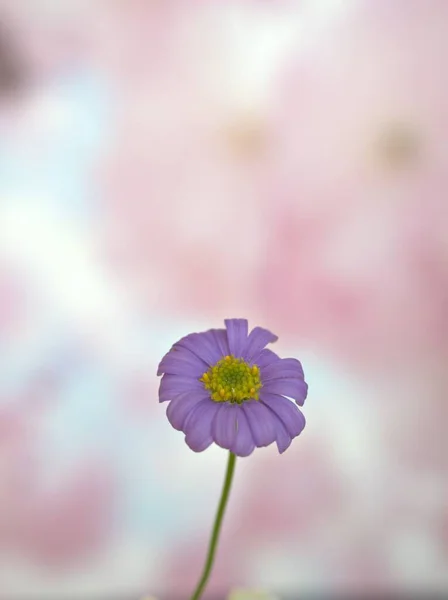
(216, 528)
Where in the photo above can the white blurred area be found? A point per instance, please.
(134, 208)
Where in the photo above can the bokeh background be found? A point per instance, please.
(164, 165)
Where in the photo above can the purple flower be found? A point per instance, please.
(224, 386)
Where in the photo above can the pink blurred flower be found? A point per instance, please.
(181, 185)
(71, 523)
(16, 459)
(133, 38)
(424, 453)
(363, 568)
(357, 258)
(53, 528)
(278, 505)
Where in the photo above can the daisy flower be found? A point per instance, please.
(225, 386)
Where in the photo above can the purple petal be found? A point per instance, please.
(220, 338)
(203, 345)
(286, 411)
(261, 422)
(237, 335)
(179, 408)
(266, 357)
(289, 368)
(198, 426)
(257, 340)
(243, 444)
(173, 385)
(180, 361)
(224, 426)
(283, 438)
(293, 388)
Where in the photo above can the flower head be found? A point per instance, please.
(224, 386)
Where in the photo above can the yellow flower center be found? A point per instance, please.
(232, 380)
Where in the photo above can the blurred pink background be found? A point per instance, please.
(163, 166)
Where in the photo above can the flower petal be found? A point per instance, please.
(179, 408)
(237, 335)
(257, 340)
(220, 338)
(173, 385)
(243, 444)
(261, 422)
(198, 426)
(266, 357)
(283, 438)
(286, 411)
(180, 361)
(289, 368)
(203, 345)
(224, 426)
(293, 388)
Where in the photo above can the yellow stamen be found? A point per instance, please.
(232, 380)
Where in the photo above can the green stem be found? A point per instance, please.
(216, 528)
